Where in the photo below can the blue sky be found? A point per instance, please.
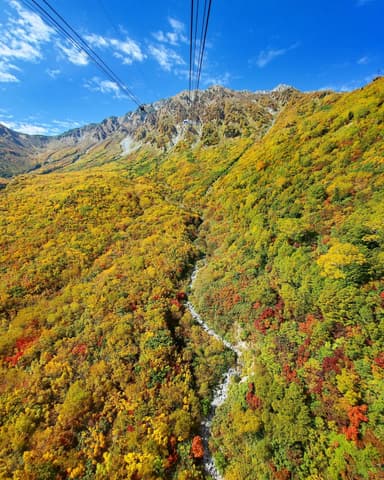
(47, 87)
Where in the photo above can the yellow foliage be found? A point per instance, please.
(340, 255)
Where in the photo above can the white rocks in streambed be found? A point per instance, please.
(221, 391)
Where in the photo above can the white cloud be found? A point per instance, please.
(363, 60)
(66, 124)
(174, 37)
(351, 85)
(267, 56)
(53, 73)
(5, 114)
(96, 84)
(176, 24)
(223, 79)
(5, 75)
(127, 50)
(33, 127)
(27, 128)
(166, 57)
(74, 55)
(24, 35)
(96, 40)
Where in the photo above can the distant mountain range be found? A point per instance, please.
(216, 112)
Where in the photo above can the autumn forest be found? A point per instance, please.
(105, 374)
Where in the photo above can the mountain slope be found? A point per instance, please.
(295, 243)
(104, 373)
(215, 113)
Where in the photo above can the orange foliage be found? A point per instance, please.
(307, 326)
(252, 400)
(356, 415)
(283, 474)
(289, 374)
(80, 349)
(22, 344)
(197, 447)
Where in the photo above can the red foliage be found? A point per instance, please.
(303, 352)
(130, 428)
(252, 400)
(265, 320)
(332, 363)
(289, 374)
(176, 303)
(172, 442)
(80, 349)
(307, 326)
(197, 447)
(318, 388)
(379, 360)
(172, 460)
(173, 455)
(22, 344)
(181, 296)
(382, 297)
(236, 298)
(356, 415)
(256, 305)
(284, 474)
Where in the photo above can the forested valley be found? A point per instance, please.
(104, 372)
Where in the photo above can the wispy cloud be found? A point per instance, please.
(22, 37)
(167, 58)
(222, 79)
(175, 37)
(64, 124)
(267, 56)
(351, 85)
(5, 73)
(127, 50)
(29, 129)
(363, 60)
(4, 113)
(76, 56)
(53, 73)
(32, 126)
(108, 87)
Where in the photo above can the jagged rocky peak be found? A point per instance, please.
(207, 116)
(282, 87)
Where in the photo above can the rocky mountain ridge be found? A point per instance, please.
(206, 116)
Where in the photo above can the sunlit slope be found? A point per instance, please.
(104, 374)
(97, 379)
(295, 267)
